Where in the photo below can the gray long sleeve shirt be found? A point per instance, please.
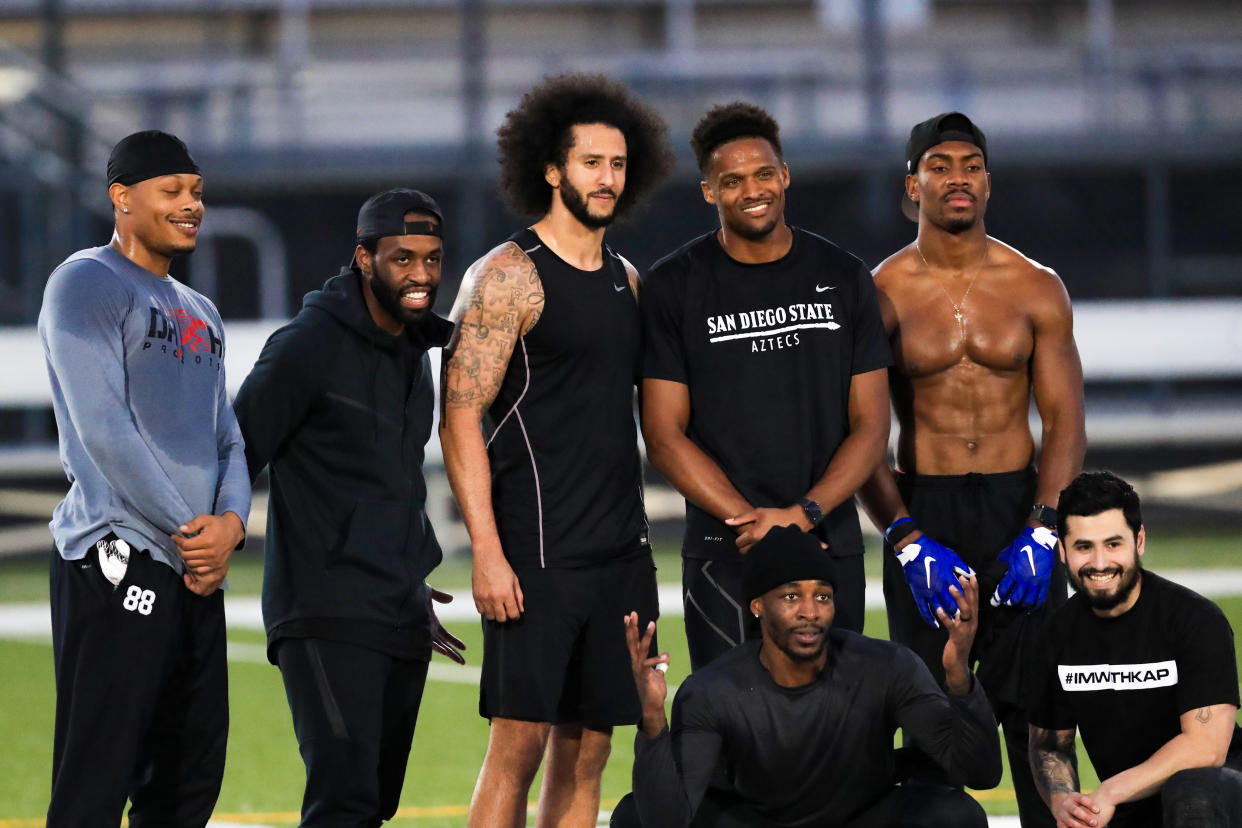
(814, 755)
(147, 436)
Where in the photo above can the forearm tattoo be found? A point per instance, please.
(500, 300)
(1054, 762)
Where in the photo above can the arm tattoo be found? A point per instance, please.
(500, 300)
(1203, 715)
(1054, 762)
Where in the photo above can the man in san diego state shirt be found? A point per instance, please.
(765, 394)
(1145, 669)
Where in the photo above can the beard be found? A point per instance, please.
(784, 642)
(959, 225)
(956, 224)
(576, 203)
(1128, 579)
(753, 233)
(389, 298)
(167, 245)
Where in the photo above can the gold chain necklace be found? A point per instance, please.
(957, 309)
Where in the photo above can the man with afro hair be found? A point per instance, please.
(765, 395)
(544, 357)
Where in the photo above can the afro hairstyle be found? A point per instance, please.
(539, 131)
(731, 121)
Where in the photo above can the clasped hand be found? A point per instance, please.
(206, 544)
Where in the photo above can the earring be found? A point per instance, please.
(124, 209)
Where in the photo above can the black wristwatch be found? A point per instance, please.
(812, 511)
(1045, 515)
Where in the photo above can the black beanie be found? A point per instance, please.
(148, 154)
(785, 554)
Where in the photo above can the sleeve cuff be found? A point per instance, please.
(242, 510)
(642, 740)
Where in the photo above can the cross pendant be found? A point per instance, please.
(958, 316)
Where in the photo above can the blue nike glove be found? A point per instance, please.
(930, 570)
(1030, 559)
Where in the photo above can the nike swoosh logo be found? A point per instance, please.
(822, 288)
(619, 288)
(927, 562)
(1030, 557)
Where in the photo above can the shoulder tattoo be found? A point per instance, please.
(501, 299)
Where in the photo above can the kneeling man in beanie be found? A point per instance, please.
(796, 729)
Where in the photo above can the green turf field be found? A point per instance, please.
(263, 781)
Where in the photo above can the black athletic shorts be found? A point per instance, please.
(565, 659)
(977, 516)
(718, 615)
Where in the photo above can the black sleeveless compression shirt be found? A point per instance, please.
(563, 444)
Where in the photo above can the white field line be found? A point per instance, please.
(33, 620)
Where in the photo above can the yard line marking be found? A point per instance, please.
(243, 612)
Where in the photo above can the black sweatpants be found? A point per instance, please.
(718, 617)
(912, 805)
(141, 696)
(1204, 797)
(978, 516)
(354, 711)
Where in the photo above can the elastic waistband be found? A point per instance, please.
(1020, 476)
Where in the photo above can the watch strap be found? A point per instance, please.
(813, 512)
(1044, 515)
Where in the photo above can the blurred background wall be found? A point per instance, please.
(1115, 146)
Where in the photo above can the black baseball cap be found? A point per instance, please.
(785, 554)
(947, 126)
(383, 214)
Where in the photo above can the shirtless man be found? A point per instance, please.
(545, 356)
(976, 328)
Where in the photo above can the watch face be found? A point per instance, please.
(813, 513)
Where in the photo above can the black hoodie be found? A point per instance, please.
(341, 410)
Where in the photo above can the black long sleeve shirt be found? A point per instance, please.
(814, 755)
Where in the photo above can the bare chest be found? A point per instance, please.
(935, 334)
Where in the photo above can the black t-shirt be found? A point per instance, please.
(1125, 681)
(815, 755)
(563, 443)
(768, 352)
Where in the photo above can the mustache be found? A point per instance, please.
(604, 191)
(1089, 571)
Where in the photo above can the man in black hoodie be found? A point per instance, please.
(339, 406)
